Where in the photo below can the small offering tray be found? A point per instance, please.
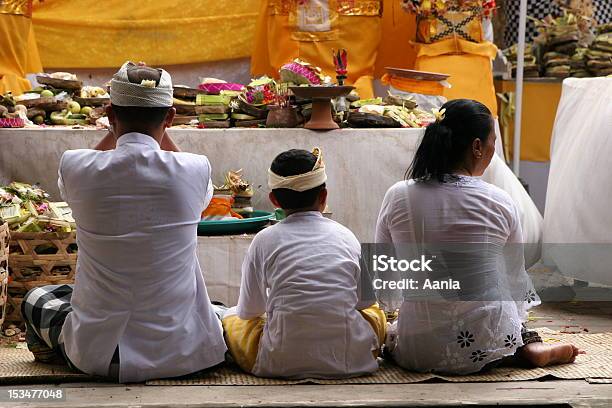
(417, 75)
(59, 83)
(254, 223)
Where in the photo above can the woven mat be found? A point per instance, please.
(596, 366)
(17, 366)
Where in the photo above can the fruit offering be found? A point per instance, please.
(93, 92)
(68, 118)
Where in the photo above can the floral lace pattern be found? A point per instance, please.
(465, 339)
(459, 179)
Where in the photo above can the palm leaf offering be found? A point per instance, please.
(212, 116)
(27, 208)
(203, 99)
(402, 111)
(568, 45)
(241, 190)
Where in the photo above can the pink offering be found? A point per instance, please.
(301, 73)
(11, 123)
(215, 88)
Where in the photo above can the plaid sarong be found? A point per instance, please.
(44, 311)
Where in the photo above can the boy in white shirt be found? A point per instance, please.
(304, 274)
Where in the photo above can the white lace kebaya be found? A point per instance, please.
(452, 336)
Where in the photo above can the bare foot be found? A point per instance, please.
(542, 355)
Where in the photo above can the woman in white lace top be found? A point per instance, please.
(443, 203)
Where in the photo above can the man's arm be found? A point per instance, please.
(60, 180)
(168, 144)
(108, 142)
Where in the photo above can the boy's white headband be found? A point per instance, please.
(301, 182)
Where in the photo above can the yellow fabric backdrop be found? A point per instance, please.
(398, 31)
(14, 31)
(93, 33)
(18, 52)
(540, 100)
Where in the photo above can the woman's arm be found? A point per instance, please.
(518, 283)
(383, 234)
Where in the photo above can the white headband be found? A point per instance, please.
(301, 182)
(146, 94)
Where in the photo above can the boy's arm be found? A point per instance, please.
(252, 299)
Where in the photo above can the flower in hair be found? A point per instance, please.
(439, 114)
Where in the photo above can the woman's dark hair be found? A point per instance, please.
(446, 141)
(291, 163)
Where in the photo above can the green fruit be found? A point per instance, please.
(74, 107)
(68, 119)
(46, 93)
(39, 119)
(85, 110)
(58, 118)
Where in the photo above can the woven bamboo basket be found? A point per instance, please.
(4, 274)
(38, 259)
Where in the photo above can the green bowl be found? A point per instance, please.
(254, 223)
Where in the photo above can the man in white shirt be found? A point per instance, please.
(139, 297)
(304, 274)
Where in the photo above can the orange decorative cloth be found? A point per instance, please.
(220, 206)
(413, 85)
(467, 63)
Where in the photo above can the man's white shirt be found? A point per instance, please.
(138, 284)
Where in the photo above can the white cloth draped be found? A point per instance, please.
(499, 174)
(578, 220)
